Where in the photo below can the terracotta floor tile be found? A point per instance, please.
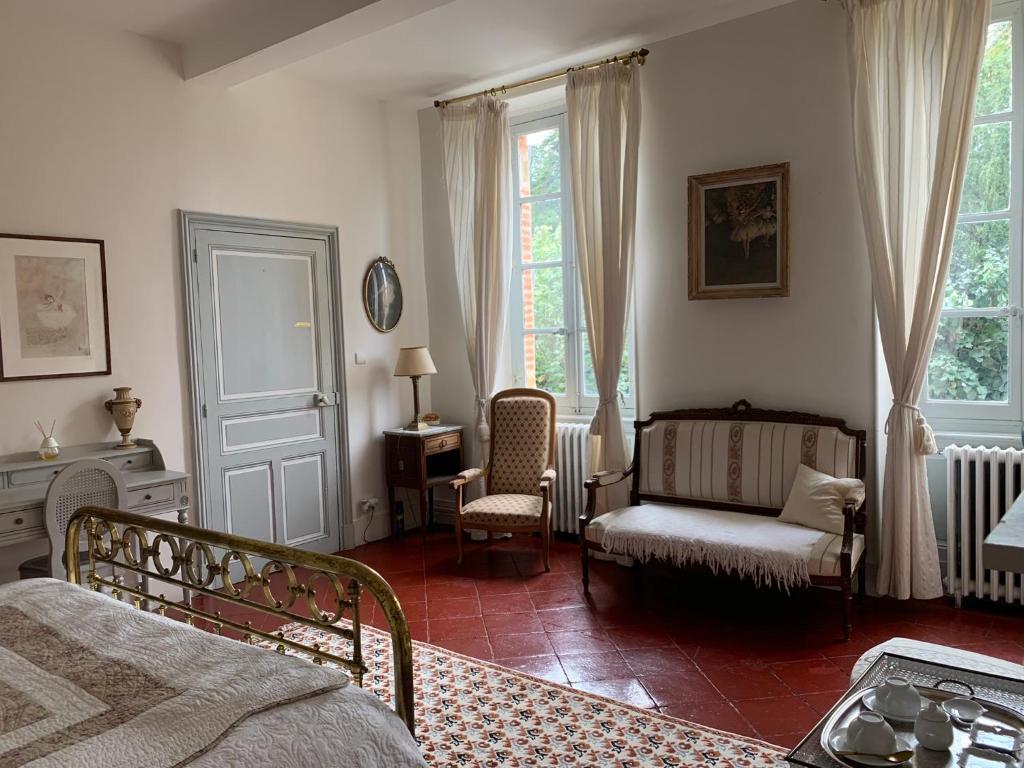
(783, 714)
(513, 603)
(586, 667)
(655, 661)
(628, 690)
(563, 619)
(812, 676)
(785, 740)
(547, 667)
(682, 686)
(559, 598)
(476, 647)
(745, 682)
(716, 714)
(632, 637)
(581, 641)
(822, 703)
(499, 624)
(452, 609)
(467, 626)
(510, 646)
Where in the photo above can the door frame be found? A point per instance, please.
(189, 222)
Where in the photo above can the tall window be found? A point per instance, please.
(975, 369)
(549, 336)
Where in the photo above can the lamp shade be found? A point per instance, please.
(414, 361)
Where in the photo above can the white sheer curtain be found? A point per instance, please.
(477, 167)
(604, 139)
(913, 76)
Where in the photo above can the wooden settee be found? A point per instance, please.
(706, 487)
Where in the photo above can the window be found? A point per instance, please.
(975, 370)
(549, 336)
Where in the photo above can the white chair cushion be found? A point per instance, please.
(504, 509)
(816, 500)
(724, 530)
(940, 654)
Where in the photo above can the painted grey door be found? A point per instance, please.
(268, 387)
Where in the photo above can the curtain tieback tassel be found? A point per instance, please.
(924, 436)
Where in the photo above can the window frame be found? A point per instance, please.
(961, 416)
(575, 403)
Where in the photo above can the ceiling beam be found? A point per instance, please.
(274, 35)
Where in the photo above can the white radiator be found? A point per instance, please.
(982, 483)
(571, 462)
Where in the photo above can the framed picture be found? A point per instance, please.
(53, 308)
(739, 233)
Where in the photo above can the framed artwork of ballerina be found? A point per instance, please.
(53, 308)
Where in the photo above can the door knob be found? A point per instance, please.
(322, 400)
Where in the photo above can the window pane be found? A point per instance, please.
(590, 379)
(996, 77)
(544, 361)
(543, 301)
(970, 360)
(987, 183)
(539, 163)
(979, 269)
(540, 231)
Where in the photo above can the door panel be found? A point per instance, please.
(249, 501)
(302, 490)
(269, 382)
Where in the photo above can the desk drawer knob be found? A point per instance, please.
(147, 497)
(19, 520)
(444, 443)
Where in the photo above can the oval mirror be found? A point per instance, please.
(382, 295)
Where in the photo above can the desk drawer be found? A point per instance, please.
(43, 474)
(15, 522)
(132, 462)
(155, 494)
(442, 443)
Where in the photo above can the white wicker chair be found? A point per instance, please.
(85, 483)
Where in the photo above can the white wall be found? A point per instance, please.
(100, 137)
(762, 89)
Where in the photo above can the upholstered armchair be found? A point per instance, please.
(520, 474)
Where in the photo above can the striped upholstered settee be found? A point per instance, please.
(707, 487)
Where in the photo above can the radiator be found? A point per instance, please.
(982, 483)
(571, 464)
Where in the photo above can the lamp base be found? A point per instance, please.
(416, 426)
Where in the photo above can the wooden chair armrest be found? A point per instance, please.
(466, 476)
(849, 525)
(548, 477)
(607, 477)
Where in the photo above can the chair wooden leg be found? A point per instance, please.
(490, 537)
(862, 581)
(545, 543)
(458, 525)
(847, 607)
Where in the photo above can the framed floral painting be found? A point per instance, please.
(53, 308)
(739, 233)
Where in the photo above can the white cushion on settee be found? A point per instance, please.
(707, 533)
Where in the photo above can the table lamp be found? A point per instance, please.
(415, 362)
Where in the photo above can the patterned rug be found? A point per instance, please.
(472, 713)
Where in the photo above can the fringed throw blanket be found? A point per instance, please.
(90, 682)
(757, 547)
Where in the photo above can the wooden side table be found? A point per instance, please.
(421, 461)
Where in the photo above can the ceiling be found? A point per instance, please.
(469, 44)
(416, 50)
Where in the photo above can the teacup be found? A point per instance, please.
(870, 734)
(896, 696)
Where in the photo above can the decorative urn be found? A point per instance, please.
(123, 408)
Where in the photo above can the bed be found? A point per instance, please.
(145, 667)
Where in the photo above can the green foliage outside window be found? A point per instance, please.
(970, 361)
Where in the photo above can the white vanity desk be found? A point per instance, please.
(24, 478)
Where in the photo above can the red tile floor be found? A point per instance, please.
(712, 650)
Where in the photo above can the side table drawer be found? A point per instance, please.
(155, 494)
(442, 443)
(15, 522)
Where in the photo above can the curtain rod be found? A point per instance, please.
(640, 55)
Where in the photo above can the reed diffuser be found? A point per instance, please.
(49, 449)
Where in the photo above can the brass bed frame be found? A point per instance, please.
(194, 558)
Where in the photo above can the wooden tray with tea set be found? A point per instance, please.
(984, 712)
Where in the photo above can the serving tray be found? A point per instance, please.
(1003, 697)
